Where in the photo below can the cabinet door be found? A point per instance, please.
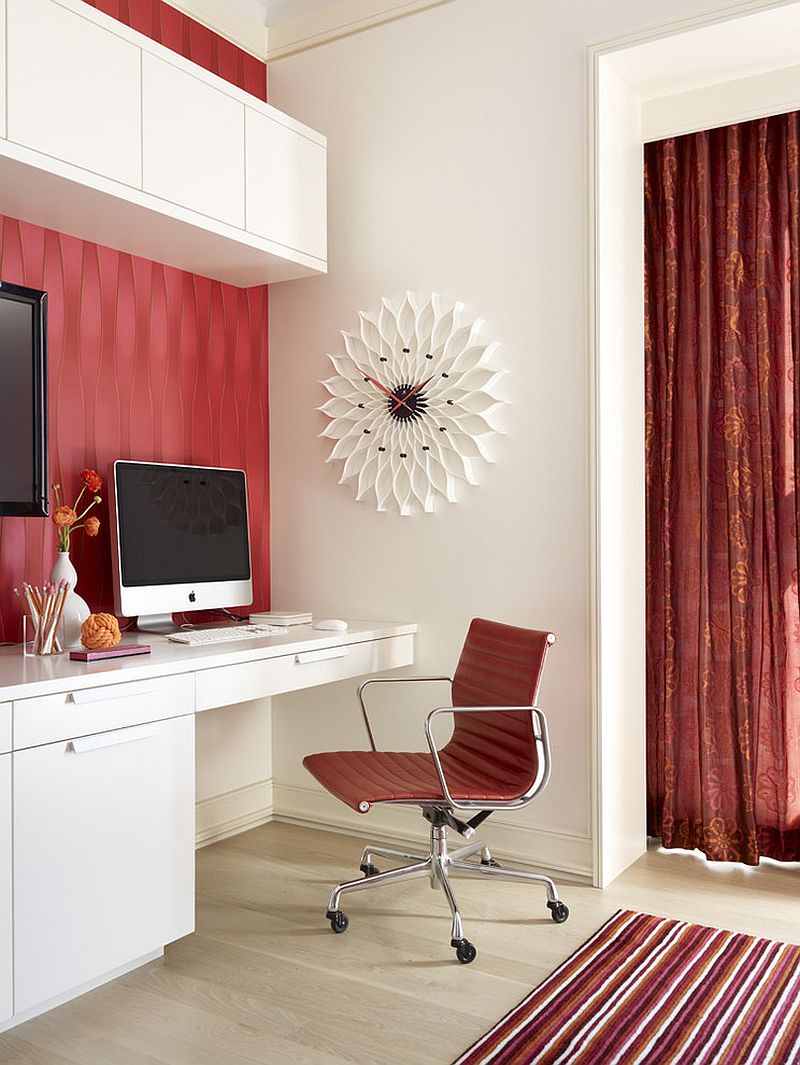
(286, 186)
(6, 939)
(74, 90)
(103, 854)
(193, 137)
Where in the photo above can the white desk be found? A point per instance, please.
(97, 793)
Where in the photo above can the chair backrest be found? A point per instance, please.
(500, 665)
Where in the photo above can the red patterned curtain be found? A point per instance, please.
(722, 379)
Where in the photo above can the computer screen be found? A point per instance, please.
(23, 401)
(181, 524)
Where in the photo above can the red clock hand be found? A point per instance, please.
(404, 401)
(377, 384)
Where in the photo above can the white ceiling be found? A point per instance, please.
(749, 44)
(279, 12)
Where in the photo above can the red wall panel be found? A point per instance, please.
(146, 361)
(177, 31)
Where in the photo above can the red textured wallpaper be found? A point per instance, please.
(146, 361)
(177, 31)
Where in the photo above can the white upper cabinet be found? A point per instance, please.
(193, 142)
(286, 186)
(73, 90)
(113, 138)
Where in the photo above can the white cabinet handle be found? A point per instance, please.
(321, 656)
(112, 739)
(115, 691)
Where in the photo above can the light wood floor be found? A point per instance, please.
(265, 980)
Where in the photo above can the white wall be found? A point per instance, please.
(233, 761)
(456, 153)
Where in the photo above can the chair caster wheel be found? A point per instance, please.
(491, 861)
(465, 951)
(338, 920)
(368, 869)
(559, 911)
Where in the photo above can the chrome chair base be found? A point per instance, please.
(439, 865)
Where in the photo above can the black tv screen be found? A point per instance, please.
(23, 401)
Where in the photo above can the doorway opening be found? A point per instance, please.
(708, 72)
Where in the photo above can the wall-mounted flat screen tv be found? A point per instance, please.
(23, 401)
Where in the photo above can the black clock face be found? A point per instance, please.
(407, 402)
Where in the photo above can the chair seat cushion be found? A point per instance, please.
(361, 778)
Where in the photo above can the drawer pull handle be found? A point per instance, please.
(112, 739)
(114, 691)
(320, 656)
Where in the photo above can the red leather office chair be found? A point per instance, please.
(497, 759)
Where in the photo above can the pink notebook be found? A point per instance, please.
(111, 652)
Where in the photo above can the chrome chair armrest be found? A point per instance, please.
(386, 680)
(541, 740)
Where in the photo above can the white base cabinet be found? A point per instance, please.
(6, 937)
(103, 856)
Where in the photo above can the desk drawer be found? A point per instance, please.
(5, 728)
(109, 706)
(254, 680)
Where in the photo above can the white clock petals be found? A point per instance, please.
(481, 379)
(411, 404)
(356, 349)
(443, 328)
(343, 448)
(387, 324)
(406, 320)
(370, 334)
(339, 386)
(339, 407)
(475, 403)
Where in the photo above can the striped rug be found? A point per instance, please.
(646, 989)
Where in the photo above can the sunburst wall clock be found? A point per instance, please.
(412, 404)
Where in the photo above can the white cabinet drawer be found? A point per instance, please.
(286, 186)
(6, 936)
(193, 141)
(74, 90)
(5, 727)
(90, 710)
(252, 680)
(103, 855)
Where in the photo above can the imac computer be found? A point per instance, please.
(180, 541)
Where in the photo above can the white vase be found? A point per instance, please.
(76, 610)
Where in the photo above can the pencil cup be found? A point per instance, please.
(33, 646)
(43, 617)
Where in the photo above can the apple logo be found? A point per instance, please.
(192, 597)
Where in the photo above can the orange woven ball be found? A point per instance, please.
(100, 631)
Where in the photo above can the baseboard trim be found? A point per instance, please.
(233, 812)
(565, 854)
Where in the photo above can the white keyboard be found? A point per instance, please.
(226, 633)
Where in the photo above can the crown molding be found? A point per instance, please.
(228, 21)
(339, 19)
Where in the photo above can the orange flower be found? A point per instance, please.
(92, 526)
(64, 516)
(92, 480)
